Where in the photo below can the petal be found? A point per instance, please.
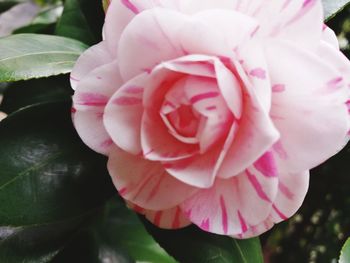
(89, 126)
(123, 115)
(146, 183)
(121, 12)
(310, 113)
(89, 100)
(292, 189)
(197, 170)
(330, 37)
(235, 29)
(231, 205)
(255, 135)
(92, 58)
(299, 21)
(150, 38)
(172, 218)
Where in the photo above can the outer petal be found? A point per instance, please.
(146, 183)
(92, 58)
(89, 100)
(291, 193)
(299, 21)
(330, 37)
(231, 205)
(150, 38)
(308, 106)
(172, 218)
(121, 12)
(123, 115)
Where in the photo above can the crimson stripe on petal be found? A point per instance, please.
(91, 99)
(280, 214)
(224, 215)
(242, 222)
(257, 186)
(266, 165)
(203, 96)
(127, 101)
(130, 6)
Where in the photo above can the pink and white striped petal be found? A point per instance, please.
(231, 205)
(319, 95)
(89, 100)
(197, 170)
(90, 128)
(123, 115)
(255, 134)
(150, 38)
(235, 29)
(299, 21)
(91, 59)
(172, 218)
(145, 183)
(292, 189)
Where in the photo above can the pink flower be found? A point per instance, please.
(213, 112)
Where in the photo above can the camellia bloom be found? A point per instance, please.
(213, 112)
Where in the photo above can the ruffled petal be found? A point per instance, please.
(92, 58)
(308, 106)
(292, 189)
(172, 218)
(231, 205)
(89, 100)
(145, 183)
(123, 115)
(150, 38)
(255, 134)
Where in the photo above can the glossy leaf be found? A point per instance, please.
(345, 253)
(27, 56)
(82, 20)
(50, 182)
(25, 93)
(194, 245)
(332, 7)
(73, 23)
(118, 236)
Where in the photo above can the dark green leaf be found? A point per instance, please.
(118, 233)
(50, 182)
(345, 253)
(332, 7)
(25, 93)
(26, 56)
(73, 23)
(194, 245)
(82, 20)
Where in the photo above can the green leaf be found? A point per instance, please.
(332, 7)
(50, 182)
(82, 20)
(73, 23)
(27, 56)
(118, 234)
(25, 93)
(345, 253)
(194, 245)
